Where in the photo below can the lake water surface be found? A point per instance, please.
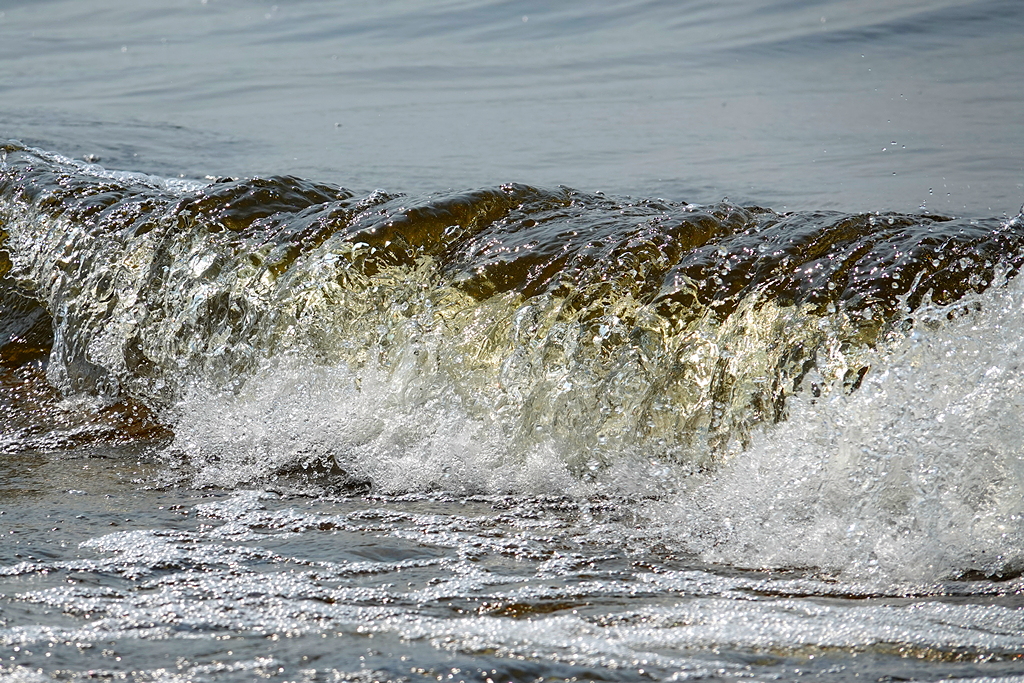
(511, 341)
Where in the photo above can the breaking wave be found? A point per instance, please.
(805, 389)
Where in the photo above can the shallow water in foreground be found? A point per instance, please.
(125, 581)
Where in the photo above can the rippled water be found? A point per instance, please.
(545, 407)
(855, 106)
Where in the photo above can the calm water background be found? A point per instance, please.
(795, 105)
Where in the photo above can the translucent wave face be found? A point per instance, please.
(916, 476)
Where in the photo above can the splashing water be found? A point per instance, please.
(918, 475)
(510, 432)
(510, 325)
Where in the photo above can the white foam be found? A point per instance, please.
(179, 186)
(377, 428)
(918, 475)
